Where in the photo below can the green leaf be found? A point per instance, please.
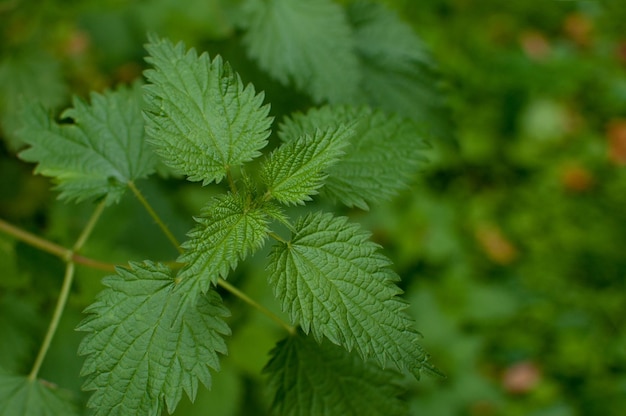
(297, 169)
(399, 75)
(228, 229)
(21, 396)
(384, 152)
(149, 339)
(332, 281)
(199, 115)
(98, 153)
(307, 42)
(322, 379)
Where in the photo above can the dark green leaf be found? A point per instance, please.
(308, 378)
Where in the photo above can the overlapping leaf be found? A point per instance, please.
(398, 73)
(199, 115)
(97, 154)
(228, 229)
(312, 379)
(383, 154)
(308, 42)
(296, 169)
(21, 396)
(332, 281)
(147, 342)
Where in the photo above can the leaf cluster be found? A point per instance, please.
(156, 331)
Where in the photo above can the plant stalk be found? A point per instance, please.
(232, 289)
(170, 236)
(65, 290)
(56, 318)
(52, 248)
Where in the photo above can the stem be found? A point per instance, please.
(278, 238)
(52, 248)
(82, 239)
(231, 181)
(56, 318)
(232, 289)
(65, 291)
(34, 240)
(155, 216)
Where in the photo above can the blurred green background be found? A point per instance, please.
(511, 243)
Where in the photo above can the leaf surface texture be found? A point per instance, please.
(297, 169)
(383, 155)
(307, 42)
(307, 378)
(332, 281)
(20, 396)
(98, 153)
(199, 115)
(147, 342)
(228, 229)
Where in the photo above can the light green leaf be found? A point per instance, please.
(199, 115)
(98, 153)
(149, 339)
(399, 75)
(332, 281)
(228, 229)
(384, 152)
(21, 396)
(307, 378)
(307, 42)
(298, 168)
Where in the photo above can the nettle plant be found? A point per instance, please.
(158, 329)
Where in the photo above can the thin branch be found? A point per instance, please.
(170, 236)
(232, 289)
(34, 240)
(82, 239)
(65, 290)
(52, 248)
(56, 318)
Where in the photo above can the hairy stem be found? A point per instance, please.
(168, 233)
(65, 290)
